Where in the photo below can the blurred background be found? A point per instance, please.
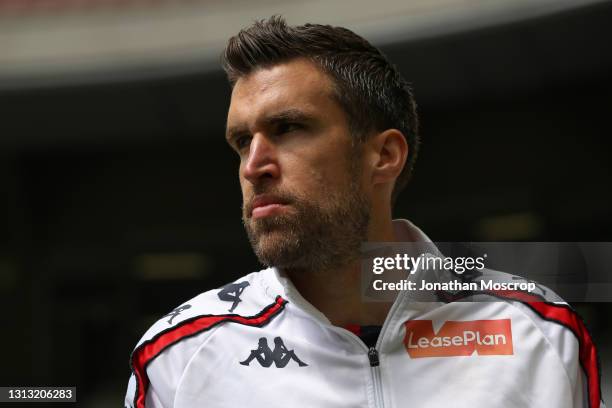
(120, 199)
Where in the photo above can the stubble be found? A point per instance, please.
(313, 235)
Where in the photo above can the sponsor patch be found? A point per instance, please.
(458, 338)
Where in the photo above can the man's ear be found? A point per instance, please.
(391, 151)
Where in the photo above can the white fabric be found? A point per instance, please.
(204, 370)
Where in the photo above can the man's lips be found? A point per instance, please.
(266, 210)
(265, 205)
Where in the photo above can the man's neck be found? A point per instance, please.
(337, 292)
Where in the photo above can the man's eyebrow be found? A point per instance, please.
(234, 131)
(287, 115)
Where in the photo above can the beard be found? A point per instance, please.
(311, 235)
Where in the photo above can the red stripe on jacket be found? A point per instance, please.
(560, 314)
(150, 349)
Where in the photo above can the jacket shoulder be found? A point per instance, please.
(563, 329)
(245, 296)
(164, 351)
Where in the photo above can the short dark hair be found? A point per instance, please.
(368, 87)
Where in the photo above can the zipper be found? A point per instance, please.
(373, 355)
(375, 368)
(374, 362)
(372, 352)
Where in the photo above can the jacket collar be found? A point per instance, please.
(277, 283)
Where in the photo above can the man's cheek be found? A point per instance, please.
(246, 195)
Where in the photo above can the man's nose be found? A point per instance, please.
(261, 161)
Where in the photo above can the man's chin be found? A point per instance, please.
(276, 247)
(272, 226)
(274, 239)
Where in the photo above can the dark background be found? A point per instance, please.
(121, 200)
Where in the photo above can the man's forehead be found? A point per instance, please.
(296, 84)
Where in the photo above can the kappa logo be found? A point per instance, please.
(458, 338)
(176, 312)
(280, 356)
(232, 292)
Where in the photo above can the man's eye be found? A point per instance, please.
(288, 127)
(242, 142)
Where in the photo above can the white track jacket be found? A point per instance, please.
(257, 343)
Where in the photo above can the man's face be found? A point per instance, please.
(303, 206)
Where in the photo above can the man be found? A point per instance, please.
(326, 131)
